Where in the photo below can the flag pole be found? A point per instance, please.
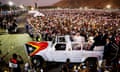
(29, 60)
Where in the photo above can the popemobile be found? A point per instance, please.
(61, 49)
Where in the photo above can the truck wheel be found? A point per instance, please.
(37, 61)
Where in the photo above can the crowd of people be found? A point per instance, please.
(102, 26)
(96, 24)
(8, 22)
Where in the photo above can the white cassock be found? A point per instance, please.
(79, 39)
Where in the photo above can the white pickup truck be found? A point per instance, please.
(61, 49)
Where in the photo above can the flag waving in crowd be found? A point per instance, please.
(34, 47)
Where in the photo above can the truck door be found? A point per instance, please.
(76, 53)
(59, 52)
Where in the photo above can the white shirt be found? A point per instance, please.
(79, 39)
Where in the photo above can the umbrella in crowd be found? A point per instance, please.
(38, 14)
(35, 13)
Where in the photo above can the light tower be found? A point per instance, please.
(36, 6)
(10, 3)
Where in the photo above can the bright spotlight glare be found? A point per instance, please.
(108, 6)
(10, 3)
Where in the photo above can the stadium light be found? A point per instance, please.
(32, 8)
(10, 3)
(108, 6)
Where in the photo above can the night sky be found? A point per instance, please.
(31, 2)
